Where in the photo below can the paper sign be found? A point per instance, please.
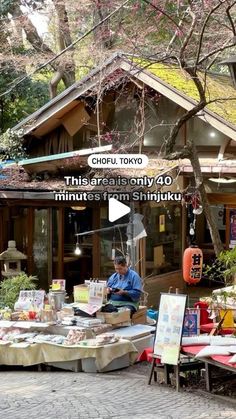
(81, 293)
(30, 298)
(169, 326)
(162, 226)
(59, 284)
(170, 354)
(96, 293)
(232, 237)
(191, 322)
(56, 287)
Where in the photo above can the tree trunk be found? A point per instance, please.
(65, 67)
(218, 246)
(55, 80)
(64, 40)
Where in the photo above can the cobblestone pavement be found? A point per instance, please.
(119, 394)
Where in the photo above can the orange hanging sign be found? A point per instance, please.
(192, 265)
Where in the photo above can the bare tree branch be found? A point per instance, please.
(170, 143)
(203, 30)
(189, 35)
(159, 9)
(230, 18)
(215, 51)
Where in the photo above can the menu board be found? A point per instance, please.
(169, 327)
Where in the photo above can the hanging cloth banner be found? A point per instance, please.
(138, 230)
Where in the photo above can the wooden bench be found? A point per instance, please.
(219, 361)
(195, 365)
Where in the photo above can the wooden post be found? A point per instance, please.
(166, 374)
(1, 232)
(152, 370)
(177, 377)
(96, 250)
(60, 263)
(50, 236)
(30, 240)
(208, 377)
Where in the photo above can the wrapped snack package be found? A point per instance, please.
(74, 337)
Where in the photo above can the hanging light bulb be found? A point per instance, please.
(78, 250)
(191, 231)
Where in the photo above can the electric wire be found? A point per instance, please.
(69, 47)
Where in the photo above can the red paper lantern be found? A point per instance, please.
(192, 265)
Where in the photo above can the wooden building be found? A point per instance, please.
(131, 108)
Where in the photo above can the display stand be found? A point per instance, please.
(168, 336)
(75, 357)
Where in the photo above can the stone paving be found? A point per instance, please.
(119, 394)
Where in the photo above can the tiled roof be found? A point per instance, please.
(16, 178)
(172, 76)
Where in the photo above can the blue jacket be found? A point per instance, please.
(130, 282)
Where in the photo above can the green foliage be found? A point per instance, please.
(228, 258)
(11, 145)
(5, 6)
(11, 287)
(21, 101)
(223, 269)
(223, 296)
(214, 272)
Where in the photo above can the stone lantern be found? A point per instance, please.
(12, 260)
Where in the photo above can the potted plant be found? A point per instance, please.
(11, 287)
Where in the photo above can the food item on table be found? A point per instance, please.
(24, 316)
(74, 337)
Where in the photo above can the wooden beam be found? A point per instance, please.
(222, 198)
(48, 203)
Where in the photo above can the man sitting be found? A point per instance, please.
(124, 287)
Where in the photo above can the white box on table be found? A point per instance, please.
(89, 365)
(74, 366)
